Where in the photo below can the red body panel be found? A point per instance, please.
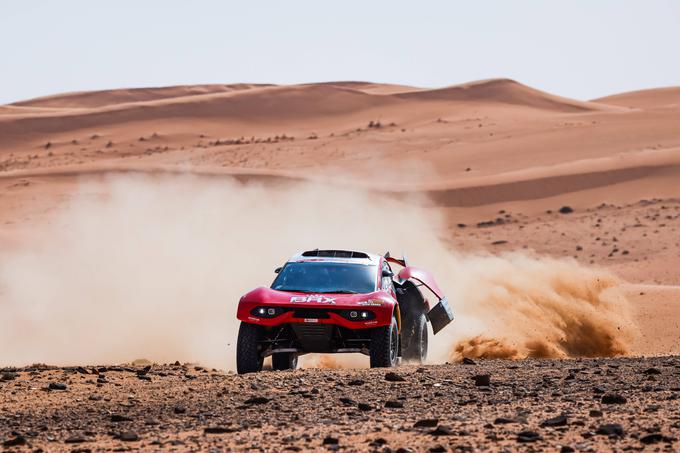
(382, 306)
(423, 277)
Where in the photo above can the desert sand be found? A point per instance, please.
(503, 168)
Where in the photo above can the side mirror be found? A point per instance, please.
(277, 270)
(387, 273)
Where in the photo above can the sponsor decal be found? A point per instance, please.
(371, 303)
(311, 320)
(318, 298)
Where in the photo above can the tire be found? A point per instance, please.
(248, 354)
(284, 361)
(385, 345)
(414, 338)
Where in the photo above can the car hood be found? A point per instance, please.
(270, 296)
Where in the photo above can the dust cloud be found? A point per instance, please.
(153, 267)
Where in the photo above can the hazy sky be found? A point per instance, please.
(582, 49)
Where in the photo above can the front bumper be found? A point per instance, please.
(317, 314)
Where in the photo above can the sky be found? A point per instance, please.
(577, 48)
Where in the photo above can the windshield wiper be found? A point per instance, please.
(341, 291)
(295, 290)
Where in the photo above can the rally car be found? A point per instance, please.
(335, 301)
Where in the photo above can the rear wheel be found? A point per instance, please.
(414, 338)
(248, 354)
(384, 345)
(284, 361)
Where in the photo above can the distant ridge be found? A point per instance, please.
(102, 98)
(502, 91)
(645, 99)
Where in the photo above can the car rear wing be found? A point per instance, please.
(441, 314)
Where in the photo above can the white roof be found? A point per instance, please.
(372, 259)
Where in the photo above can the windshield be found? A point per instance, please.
(326, 277)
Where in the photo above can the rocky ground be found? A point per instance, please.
(552, 405)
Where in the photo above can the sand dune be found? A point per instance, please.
(503, 91)
(646, 99)
(93, 99)
(472, 154)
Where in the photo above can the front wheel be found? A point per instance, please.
(414, 338)
(384, 345)
(284, 361)
(248, 355)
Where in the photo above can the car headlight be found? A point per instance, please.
(267, 312)
(358, 315)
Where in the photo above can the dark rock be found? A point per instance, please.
(329, 440)
(651, 438)
(651, 371)
(426, 423)
(437, 449)
(120, 418)
(613, 398)
(595, 413)
(467, 361)
(364, 407)
(567, 449)
(15, 441)
(442, 430)
(257, 400)
(566, 210)
(144, 377)
(611, 429)
(379, 441)
(8, 376)
(179, 409)
(391, 376)
(220, 429)
(482, 380)
(129, 436)
(356, 382)
(528, 436)
(560, 420)
(57, 386)
(504, 421)
(347, 401)
(393, 404)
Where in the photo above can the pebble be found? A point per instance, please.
(528, 436)
(560, 420)
(610, 429)
(651, 438)
(442, 430)
(393, 404)
(394, 377)
(129, 436)
(116, 418)
(8, 376)
(330, 440)
(613, 398)
(426, 423)
(482, 380)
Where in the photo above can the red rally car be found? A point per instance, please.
(334, 301)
